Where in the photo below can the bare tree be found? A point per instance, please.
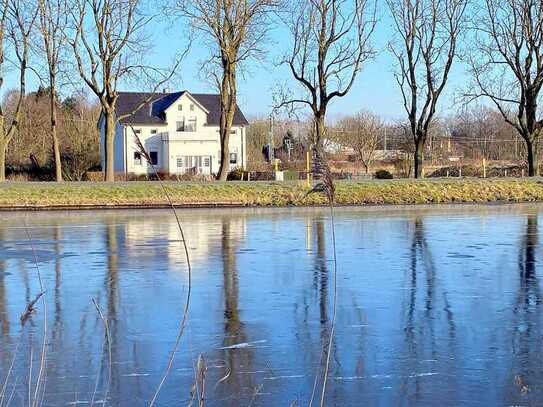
(53, 21)
(425, 47)
(16, 24)
(481, 132)
(329, 44)
(507, 66)
(236, 30)
(362, 132)
(109, 42)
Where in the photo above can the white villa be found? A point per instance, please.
(180, 131)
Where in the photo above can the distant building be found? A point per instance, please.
(180, 131)
(290, 149)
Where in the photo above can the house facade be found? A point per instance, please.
(180, 131)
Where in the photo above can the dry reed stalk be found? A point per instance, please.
(25, 316)
(189, 267)
(326, 186)
(255, 393)
(12, 391)
(198, 388)
(110, 360)
(315, 382)
(29, 310)
(30, 375)
(10, 370)
(201, 369)
(334, 307)
(36, 400)
(224, 378)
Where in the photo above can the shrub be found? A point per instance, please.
(403, 167)
(18, 177)
(383, 174)
(94, 176)
(237, 174)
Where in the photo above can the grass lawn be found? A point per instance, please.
(393, 192)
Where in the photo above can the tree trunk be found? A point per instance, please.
(3, 146)
(109, 145)
(533, 158)
(318, 148)
(224, 135)
(419, 156)
(228, 109)
(56, 146)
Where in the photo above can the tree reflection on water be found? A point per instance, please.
(433, 310)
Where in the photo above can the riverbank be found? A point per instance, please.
(30, 195)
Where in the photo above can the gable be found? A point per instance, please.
(154, 111)
(187, 102)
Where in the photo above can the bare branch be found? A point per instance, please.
(506, 65)
(425, 48)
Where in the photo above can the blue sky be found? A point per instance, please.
(375, 89)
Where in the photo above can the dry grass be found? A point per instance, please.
(42, 195)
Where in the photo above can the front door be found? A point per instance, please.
(205, 165)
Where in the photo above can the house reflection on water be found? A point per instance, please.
(145, 239)
(434, 307)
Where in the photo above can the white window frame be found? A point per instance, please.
(191, 124)
(137, 159)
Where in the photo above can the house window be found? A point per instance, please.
(232, 131)
(179, 162)
(154, 157)
(191, 124)
(154, 131)
(207, 162)
(192, 108)
(180, 126)
(137, 158)
(233, 158)
(180, 108)
(137, 132)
